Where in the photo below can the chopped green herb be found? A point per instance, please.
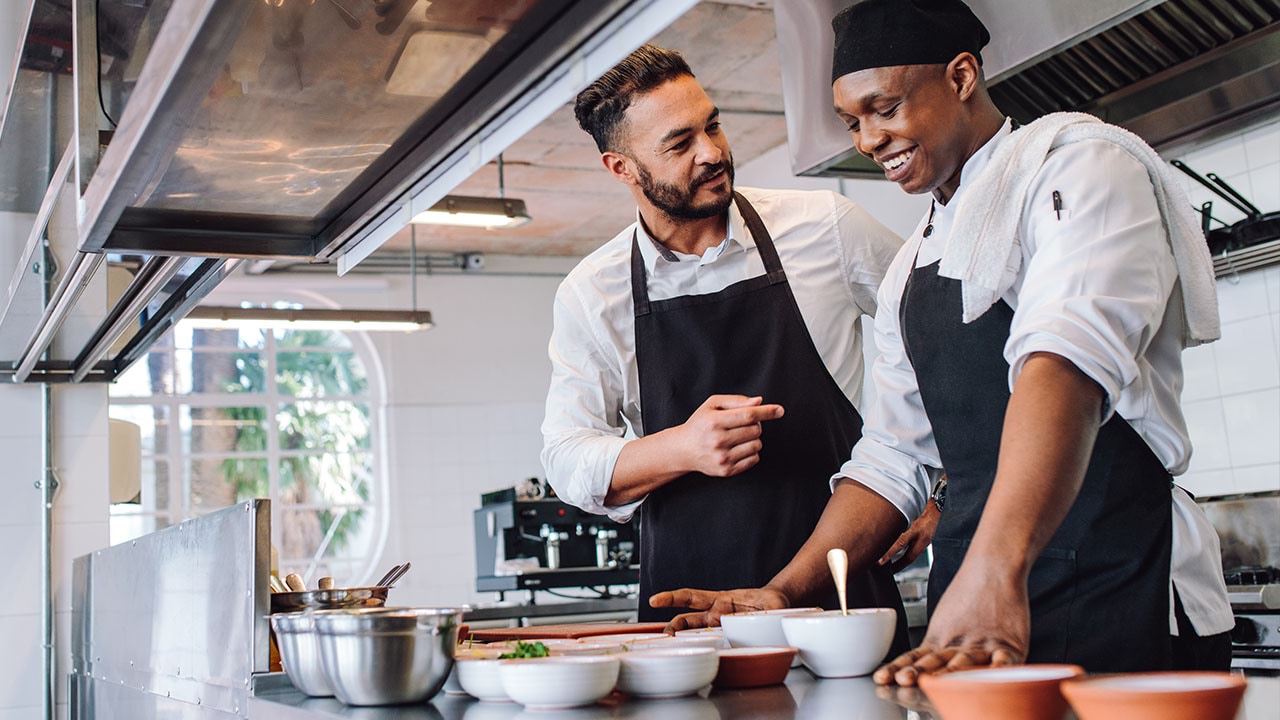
(526, 650)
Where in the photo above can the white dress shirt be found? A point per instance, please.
(834, 255)
(1095, 288)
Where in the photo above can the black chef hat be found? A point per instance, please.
(885, 33)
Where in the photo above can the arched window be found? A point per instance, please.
(228, 415)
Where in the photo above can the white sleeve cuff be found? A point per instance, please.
(888, 473)
(589, 484)
(1100, 369)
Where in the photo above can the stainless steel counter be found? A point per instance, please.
(803, 697)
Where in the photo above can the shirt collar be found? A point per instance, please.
(978, 161)
(655, 254)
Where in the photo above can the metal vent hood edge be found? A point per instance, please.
(1216, 83)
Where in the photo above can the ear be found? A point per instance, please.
(619, 166)
(964, 76)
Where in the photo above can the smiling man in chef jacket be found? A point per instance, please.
(1030, 334)
(722, 329)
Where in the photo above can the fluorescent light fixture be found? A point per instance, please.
(477, 212)
(222, 318)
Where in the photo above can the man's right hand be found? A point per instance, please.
(722, 437)
(711, 604)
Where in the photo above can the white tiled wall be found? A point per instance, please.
(1232, 391)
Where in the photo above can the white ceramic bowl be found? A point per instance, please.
(667, 672)
(761, 628)
(835, 645)
(589, 648)
(623, 639)
(560, 682)
(481, 678)
(715, 642)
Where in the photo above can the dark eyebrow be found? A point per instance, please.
(672, 135)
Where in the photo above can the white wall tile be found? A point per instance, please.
(1265, 184)
(1271, 276)
(21, 504)
(1199, 374)
(20, 568)
(1246, 357)
(80, 410)
(70, 541)
(20, 665)
(1259, 478)
(1253, 427)
(1243, 296)
(1211, 483)
(21, 411)
(1225, 158)
(84, 495)
(1207, 426)
(21, 713)
(1262, 145)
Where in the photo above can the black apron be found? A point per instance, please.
(738, 532)
(1099, 593)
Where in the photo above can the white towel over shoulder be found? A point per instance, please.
(984, 251)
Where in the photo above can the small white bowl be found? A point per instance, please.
(760, 628)
(560, 682)
(624, 639)
(589, 648)
(715, 642)
(667, 672)
(481, 678)
(835, 645)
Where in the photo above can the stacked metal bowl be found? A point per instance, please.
(369, 656)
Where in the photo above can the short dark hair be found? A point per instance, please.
(601, 108)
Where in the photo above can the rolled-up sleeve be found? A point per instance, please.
(1098, 274)
(896, 457)
(582, 431)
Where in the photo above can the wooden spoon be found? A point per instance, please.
(838, 561)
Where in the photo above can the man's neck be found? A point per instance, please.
(690, 237)
(984, 129)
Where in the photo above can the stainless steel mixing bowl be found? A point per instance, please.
(387, 656)
(300, 652)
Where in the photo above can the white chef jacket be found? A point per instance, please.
(834, 255)
(1094, 287)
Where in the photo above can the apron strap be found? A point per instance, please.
(639, 285)
(764, 241)
(759, 234)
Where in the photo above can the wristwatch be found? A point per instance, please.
(939, 493)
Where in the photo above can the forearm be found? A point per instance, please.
(1049, 431)
(856, 519)
(644, 465)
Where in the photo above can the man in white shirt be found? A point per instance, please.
(1055, 412)
(722, 330)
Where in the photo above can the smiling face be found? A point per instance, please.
(675, 152)
(914, 121)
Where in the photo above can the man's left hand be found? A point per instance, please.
(982, 619)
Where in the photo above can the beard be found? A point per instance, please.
(677, 201)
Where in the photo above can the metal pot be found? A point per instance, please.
(387, 656)
(300, 652)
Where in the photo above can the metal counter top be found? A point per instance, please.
(802, 697)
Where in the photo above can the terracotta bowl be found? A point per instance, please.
(753, 666)
(1157, 696)
(1025, 692)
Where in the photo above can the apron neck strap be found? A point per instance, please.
(759, 234)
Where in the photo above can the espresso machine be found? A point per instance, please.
(540, 544)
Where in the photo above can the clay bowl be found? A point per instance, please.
(1157, 696)
(753, 666)
(1025, 692)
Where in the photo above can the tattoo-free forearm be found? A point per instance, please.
(856, 519)
(644, 465)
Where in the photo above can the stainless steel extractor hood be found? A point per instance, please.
(194, 134)
(1172, 72)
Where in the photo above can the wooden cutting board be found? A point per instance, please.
(572, 631)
